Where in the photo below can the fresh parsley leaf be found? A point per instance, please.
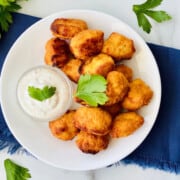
(149, 4)
(91, 89)
(158, 16)
(4, 2)
(15, 171)
(144, 22)
(7, 7)
(145, 9)
(41, 94)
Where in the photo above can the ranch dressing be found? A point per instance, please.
(52, 107)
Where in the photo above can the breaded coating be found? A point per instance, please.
(113, 109)
(71, 69)
(80, 101)
(139, 95)
(118, 46)
(125, 124)
(63, 127)
(89, 143)
(93, 120)
(117, 87)
(56, 52)
(127, 71)
(100, 64)
(87, 43)
(66, 28)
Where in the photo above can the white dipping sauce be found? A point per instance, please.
(52, 107)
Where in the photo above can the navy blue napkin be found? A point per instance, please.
(161, 149)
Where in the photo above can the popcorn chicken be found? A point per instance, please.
(139, 95)
(100, 64)
(56, 52)
(66, 28)
(87, 43)
(125, 124)
(89, 143)
(113, 109)
(117, 87)
(77, 50)
(63, 127)
(127, 71)
(118, 46)
(71, 69)
(93, 120)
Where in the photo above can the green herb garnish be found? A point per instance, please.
(41, 94)
(91, 89)
(15, 171)
(145, 9)
(7, 7)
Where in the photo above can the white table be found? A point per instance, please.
(163, 34)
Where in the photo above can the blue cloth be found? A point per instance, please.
(161, 149)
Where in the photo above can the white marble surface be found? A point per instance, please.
(165, 34)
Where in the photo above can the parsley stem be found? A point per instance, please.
(136, 8)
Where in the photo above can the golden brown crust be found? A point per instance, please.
(139, 95)
(100, 64)
(66, 28)
(125, 124)
(113, 109)
(71, 69)
(117, 87)
(56, 52)
(63, 127)
(118, 46)
(87, 43)
(93, 120)
(89, 143)
(127, 71)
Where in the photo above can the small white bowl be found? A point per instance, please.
(49, 108)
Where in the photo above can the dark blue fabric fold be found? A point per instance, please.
(161, 149)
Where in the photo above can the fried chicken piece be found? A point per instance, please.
(93, 120)
(89, 143)
(56, 52)
(127, 71)
(71, 69)
(139, 95)
(100, 64)
(125, 124)
(66, 28)
(63, 127)
(117, 87)
(113, 109)
(87, 43)
(118, 46)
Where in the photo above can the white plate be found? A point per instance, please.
(28, 52)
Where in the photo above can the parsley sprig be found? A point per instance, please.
(91, 89)
(7, 7)
(144, 10)
(15, 171)
(41, 94)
